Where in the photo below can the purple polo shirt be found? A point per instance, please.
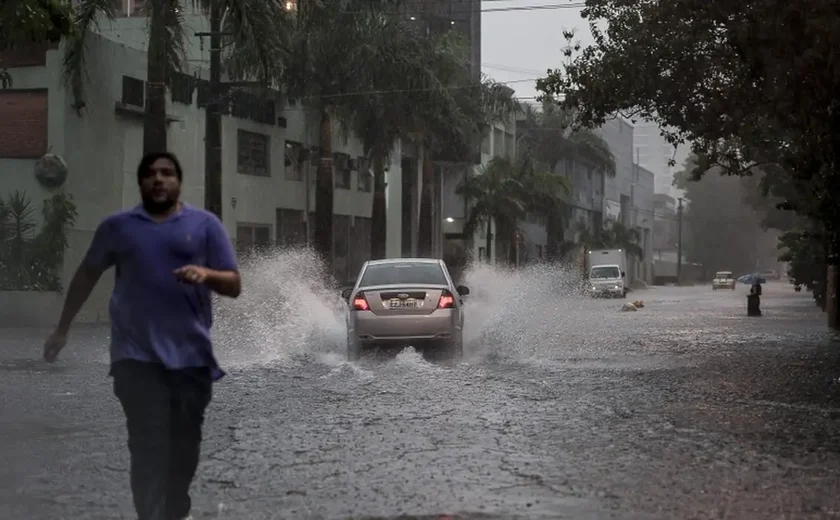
(154, 317)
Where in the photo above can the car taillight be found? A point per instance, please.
(447, 301)
(360, 303)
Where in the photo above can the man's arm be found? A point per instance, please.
(78, 292)
(226, 283)
(223, 270)
(99, 257)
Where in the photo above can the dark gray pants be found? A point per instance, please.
(164, 411)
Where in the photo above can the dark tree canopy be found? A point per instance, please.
(750, 82)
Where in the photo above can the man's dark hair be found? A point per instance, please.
(149, 159)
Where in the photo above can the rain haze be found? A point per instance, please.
(334, 260)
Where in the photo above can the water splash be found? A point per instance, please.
(289, 311)
(527, 314)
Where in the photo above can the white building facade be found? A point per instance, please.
(265, 191)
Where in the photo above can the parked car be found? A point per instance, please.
(723, 280)
(402, 302)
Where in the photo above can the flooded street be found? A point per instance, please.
(563, 407)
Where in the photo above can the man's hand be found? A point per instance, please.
(53, 345)
(193, 274)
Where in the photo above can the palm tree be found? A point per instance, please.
(257, 29)
(450, 130)
(407, 79)
(334, 52)
(548, 134)
(493, 195)
(504, 192)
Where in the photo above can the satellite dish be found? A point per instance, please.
(51, 171)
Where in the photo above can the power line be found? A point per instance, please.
(507, 9)
(233, 91)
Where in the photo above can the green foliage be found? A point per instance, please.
(505, 192)
(747, 83)
(31, 261)
(255, 40)
(25, 22)
(805, 253)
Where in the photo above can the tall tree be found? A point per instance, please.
(503, 193)
(548, 135)
(408, 86)
(690, 64)
(255, 30)
(332, 52)
(449, 128)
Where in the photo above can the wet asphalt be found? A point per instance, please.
(563, 408)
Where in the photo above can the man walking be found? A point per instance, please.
(168, 257)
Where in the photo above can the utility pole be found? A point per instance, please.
(213, 112)
(213, 116)
(679, 240)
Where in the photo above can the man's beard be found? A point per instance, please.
(154, 207)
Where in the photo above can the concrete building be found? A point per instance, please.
(655, 154)
(628, 197)
(265, 192)
(439, 16)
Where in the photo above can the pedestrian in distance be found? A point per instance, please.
(169, 258)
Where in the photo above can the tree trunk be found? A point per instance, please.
(324, 192)
(513, 246)
(488, 241)
(378, 217)
(157, 76)
(553, 227)
(424, 225)
(213, 118)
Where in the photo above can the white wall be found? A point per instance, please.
(102, 150)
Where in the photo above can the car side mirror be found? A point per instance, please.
(463, 290)
(623, 274)
(345, 294)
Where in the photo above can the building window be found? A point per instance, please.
(343, 173)
(252, 151)
(252, 237)
(485, 144)
(295, 161)
(133, 91)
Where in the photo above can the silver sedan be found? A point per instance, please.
(405, 301)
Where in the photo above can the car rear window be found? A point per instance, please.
(403, 272)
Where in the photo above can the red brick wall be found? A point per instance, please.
(23, 124)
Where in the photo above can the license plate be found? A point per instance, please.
(396, 303)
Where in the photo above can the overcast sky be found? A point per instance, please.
(518, 46)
